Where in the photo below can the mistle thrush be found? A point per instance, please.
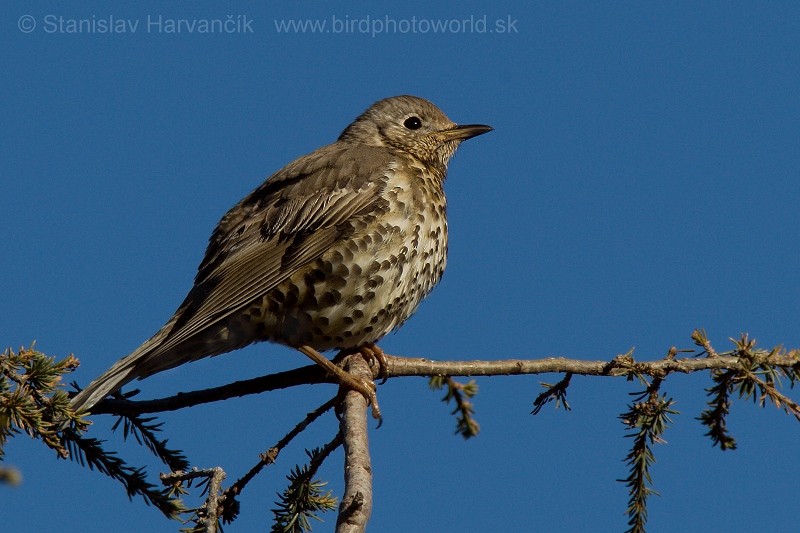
(333, 251)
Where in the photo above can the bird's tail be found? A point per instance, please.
(122, 372)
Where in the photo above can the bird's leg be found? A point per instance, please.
(366, 388)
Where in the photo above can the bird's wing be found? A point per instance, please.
(288, 222)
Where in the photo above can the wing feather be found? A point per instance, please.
(290, 223)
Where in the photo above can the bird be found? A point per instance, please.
(332, 252)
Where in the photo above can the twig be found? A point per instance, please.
(208, 515)
(304, 497)
(553, 393)
(459, 393)
(271, 455)
(648, 418)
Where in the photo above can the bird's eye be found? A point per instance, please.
(413, 123)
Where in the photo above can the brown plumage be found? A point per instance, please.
(331, 252)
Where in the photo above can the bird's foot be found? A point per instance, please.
(366, 387)
(375, 356)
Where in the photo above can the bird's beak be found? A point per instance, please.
(466, 131)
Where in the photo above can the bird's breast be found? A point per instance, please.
(372, 280)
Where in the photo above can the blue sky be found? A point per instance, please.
(641, 181)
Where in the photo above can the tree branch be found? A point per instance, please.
(307, 375)
(207, 516)
(745, 371)
(621, 365)
(271, 455)
(356, 506)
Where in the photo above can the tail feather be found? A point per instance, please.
(122, 372)
(161, 353)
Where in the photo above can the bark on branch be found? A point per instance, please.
(356, 505)
(621, 365)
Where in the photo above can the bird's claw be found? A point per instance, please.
(375, 356)
(367, 389)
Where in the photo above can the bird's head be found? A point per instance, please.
(412, 125)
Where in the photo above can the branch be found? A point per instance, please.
(307, 375)
(745, 371)
(619, 366)
(396, 366)
(144, 431)
(89, 452)
(553, 393)
(207, 516)
(356, 506)
(304, 496)
(648, 418)
(300, 501)
(459, 393)
(271, 455)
